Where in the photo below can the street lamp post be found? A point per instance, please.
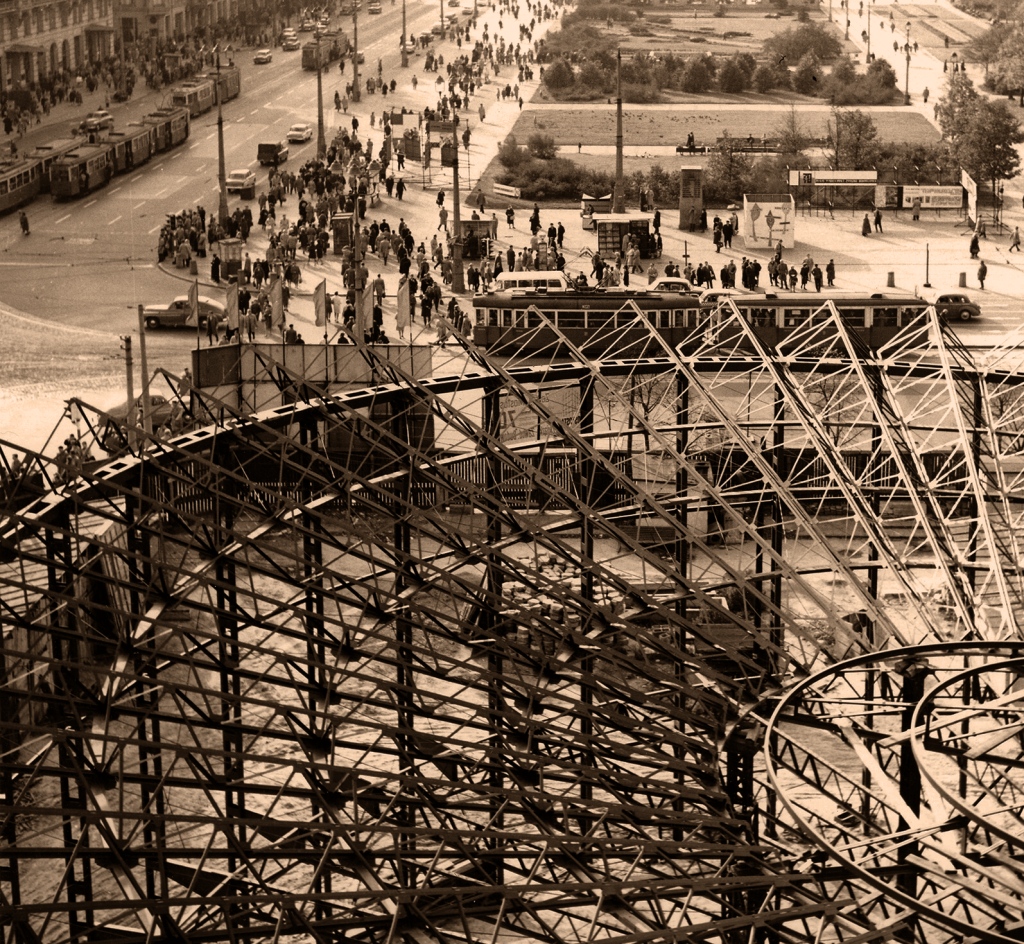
(222, 203)
(405, 51)
(906, 49)
(321, 138)
(458, 284)
(355, 52)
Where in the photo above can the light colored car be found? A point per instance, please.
(956, 305)
(373, 6)
(262, 57)
(291, 43)
(300, 132)
(239, 180)
(175, 314)
(95, 121)
(669, 283)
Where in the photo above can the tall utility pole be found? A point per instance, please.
(618, 199)
(222, 176)
(458, 285)
(321, 138)
(906, 49)
(355, 52)
(405, 51)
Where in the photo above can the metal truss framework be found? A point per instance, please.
(554, 651)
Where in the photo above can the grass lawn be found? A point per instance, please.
(659, 125)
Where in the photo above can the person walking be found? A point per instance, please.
(830, 272)
(865, 227)
(23, 219)
(975, 246)
(982, 273)
(1015, 239)
(878, 221)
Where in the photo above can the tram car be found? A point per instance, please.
(511, 320)
(227, 82)
(81, 171)
(198, 96)
(20, 183)
(129, 148)
(46, 154)
(170, 127)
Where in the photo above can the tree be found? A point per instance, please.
(822, 42)
(883, 74)
(731, 78)
(986, 47)
(987, 149)
(807, 77)
(850, 140)
(764, 78)
(541, 146)
(954, 108)
(1008, 67)
(559, 75)
(696, 77)
(791, 137)
(727, 172)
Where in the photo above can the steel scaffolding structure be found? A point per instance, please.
(722, 646)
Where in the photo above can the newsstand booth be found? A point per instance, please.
(611, 228)
(476, 236)
(589, 206)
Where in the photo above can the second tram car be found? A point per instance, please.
(511, 320)
(81, 171)
(46, 154)
(198, 96)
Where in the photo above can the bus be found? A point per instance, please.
(20, 182)
(198, 96)
(510, 320)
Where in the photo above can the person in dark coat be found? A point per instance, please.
(865, 227)
(215, 268)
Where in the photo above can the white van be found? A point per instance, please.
(550, 279)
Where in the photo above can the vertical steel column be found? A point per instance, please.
(587, 475)
(682, 557)
(405, 676)
(914, 673)
(495, 658)
(318, 697)
(230, 680)
(10, 877)
(60, 574)
(874, 477)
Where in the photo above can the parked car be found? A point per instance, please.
(438, 29)
(240, 180)
(373, 6)
(300, 133)
(262, 57)
(956, 305)
(175, 314)
(291, 43)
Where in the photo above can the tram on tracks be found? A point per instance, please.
(512, 320)
(66, 159)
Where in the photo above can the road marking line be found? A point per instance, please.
(63, 218)
(138, 205)
(255, 111)
(160, 193)
(114, 189)
(137, 177)
(113, 221)
(153, 230)
(210, 135)
(90, 203)
(158, 166)
(192, 147)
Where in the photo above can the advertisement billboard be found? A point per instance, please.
(767, 220)
(934, 198)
